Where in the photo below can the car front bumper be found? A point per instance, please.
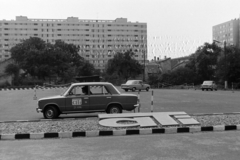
(38, 110)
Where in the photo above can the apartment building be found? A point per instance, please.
(98, 40)
(228, 32)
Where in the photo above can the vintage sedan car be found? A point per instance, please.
(135, 85)
(87, 97)
(209, 85)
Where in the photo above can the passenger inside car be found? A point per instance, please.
(85, 90)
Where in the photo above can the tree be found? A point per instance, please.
(228, 65)
(204, 62)
(182, 75)
(14, 70)
(45, 60)
(87, 69)
(124, 65)
(28, 54)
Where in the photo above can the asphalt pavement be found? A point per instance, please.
(19, 105)
(197, 146)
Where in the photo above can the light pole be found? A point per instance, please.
(225, 62)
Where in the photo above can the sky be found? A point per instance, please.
(175, 28)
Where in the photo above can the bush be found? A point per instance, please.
(4, 85)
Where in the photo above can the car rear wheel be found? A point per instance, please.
(133, 89)
(126, 90)
(114, 109)
(147, 89)
(50, 113)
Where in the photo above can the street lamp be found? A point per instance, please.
(225, 61)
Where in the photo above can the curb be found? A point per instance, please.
(29, 88)
(125, 132)
(44, 120)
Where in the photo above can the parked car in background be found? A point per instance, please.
(135, 85)
(87, 97)
(209, 85)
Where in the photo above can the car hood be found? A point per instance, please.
(50, 97)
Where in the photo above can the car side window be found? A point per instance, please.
(98, 90)
(76, 90)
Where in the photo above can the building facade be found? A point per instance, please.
(228, 32)
(98, 40)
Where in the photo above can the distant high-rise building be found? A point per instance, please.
(228, 32)
(98, 40)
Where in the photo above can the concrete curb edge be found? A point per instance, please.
(126, 132)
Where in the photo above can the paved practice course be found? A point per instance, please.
(19, 104)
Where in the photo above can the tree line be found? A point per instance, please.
(61, 62)
(209, 62)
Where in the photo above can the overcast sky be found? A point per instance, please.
(175, 27)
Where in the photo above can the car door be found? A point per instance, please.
(99, 97)
(76, 100)
(136, 85)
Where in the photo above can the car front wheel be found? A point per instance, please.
(114, 109)
(50, 113)
(126, 90)
(147, 89)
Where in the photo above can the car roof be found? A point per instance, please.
(208, 81)
(92, 83)
(134, 80)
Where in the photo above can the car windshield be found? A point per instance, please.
(129, 82)
(207, 82)
(65, 90)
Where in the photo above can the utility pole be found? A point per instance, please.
(144, 66)
(225, 63)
